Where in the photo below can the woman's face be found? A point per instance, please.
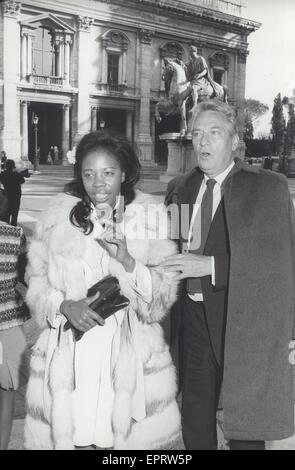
(102, 177)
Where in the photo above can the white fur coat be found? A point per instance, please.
(55, 272)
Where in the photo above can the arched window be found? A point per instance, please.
(114, 49)
(219, 64)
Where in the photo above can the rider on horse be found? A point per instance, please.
(197, 73)
(185, 80)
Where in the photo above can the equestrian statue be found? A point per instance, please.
(183, 82)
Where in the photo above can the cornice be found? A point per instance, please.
(181, 8)
(131, 23)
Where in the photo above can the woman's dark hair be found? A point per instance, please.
(121, 148)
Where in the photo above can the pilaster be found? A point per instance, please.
(10, 139)
(144, 139)
(84, 115)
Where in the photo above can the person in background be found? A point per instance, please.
(268, 163)
(14, 354)
(49, 159)
(12, 181)
(55, 154)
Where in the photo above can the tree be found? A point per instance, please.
(290, 133)
(278, 126)
(253, 109)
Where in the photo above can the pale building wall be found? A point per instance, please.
(143, 67)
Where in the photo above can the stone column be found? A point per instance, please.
(124, 66)
(144, 139)
(83, 115)
(24, 129)
(30, 54)
(129, 125)
(59, 47)
(67, 64)
(10, 139)
(94, 110)
(104, 75)
(65, 133)
(24, 46)
(120, 72)
(61, 59)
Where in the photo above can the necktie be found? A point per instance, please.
(200, 231)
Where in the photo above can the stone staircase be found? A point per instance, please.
(153, 172)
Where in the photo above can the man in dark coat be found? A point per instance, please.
(12, 181)
(237, 306)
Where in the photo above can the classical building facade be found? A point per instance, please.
(79, 66)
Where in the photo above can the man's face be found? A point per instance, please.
(214, 142)
(193, 53)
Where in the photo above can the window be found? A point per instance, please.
(114, 57)
(219, 64)
(43, 58)
(113, 69)
(217, 75)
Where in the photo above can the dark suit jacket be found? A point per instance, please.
(215, 297)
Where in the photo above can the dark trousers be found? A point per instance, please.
(201, 382)
(13, 208)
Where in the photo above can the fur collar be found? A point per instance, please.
(145, 228)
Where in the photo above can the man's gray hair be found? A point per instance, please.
(228, 111)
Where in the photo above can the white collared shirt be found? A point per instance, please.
(197, 206)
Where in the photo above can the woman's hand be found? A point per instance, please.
(80, 315)
(114, 242)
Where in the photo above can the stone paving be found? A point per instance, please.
(36, 192)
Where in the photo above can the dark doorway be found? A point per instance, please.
(49, 129)
(113, 119)
(170, 123)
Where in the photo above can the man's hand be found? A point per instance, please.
(188, 265)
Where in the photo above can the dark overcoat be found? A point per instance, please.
(258, 394)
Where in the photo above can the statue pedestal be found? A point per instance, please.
(181, 156)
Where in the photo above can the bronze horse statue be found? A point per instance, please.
(178, 89)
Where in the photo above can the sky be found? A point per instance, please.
(271, 61)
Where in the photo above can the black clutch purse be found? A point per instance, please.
(110, 301)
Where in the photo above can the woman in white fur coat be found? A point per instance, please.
(115, 387)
